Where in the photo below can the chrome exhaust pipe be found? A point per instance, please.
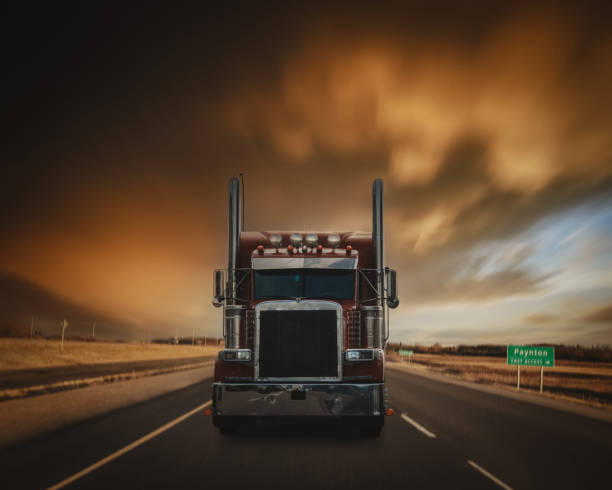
(232, 312)
(234, 237)
(379, 255)
(377, 227)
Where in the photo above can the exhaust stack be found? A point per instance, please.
(233, 312)
(375, 319)
(234, 237)
(377, 235)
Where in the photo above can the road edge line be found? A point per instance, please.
(418, 426)
(129, 447)
(489, 475)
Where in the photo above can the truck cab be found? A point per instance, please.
(305, 324)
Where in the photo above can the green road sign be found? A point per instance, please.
(526, 355)
(406, 352)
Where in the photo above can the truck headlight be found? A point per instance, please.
(243, 355)
(360, 355)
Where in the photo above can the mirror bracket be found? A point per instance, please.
(218, 288)
(391, 288)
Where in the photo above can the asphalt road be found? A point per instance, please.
(441, 436)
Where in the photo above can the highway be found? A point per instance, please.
(441, 436)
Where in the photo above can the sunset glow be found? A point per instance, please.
(493, 135)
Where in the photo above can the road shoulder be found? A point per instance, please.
(535, 398)
(27, 418)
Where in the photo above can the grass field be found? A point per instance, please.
(18, 353)
(585, 381)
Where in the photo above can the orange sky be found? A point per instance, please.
(492, 132)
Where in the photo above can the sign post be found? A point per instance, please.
(64, 324)
(526, 355)
(406, 353)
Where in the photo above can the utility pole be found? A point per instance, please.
(93, 330)
(64, 324)
(32, 328)
(193, 337)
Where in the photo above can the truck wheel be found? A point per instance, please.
(226, 425)
(372, 426)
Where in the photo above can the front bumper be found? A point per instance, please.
(293, 399)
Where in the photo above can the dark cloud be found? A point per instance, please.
(125, 126)
(24, 303)
(539, 318)
(601, 315)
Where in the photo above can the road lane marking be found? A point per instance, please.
(418, 426)
(129, 447)
(489, 475)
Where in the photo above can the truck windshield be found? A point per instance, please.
(304, 283)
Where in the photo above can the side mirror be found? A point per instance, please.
(218, 288)
(391, 286)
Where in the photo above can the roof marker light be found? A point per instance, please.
(311, 239)
(276, 240)
(333, 239)
(296, 239)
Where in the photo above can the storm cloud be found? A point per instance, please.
(485, 121)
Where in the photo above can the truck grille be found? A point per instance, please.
(298, 344)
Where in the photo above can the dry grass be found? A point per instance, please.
(586, 381)
(41, 353)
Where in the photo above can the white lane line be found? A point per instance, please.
(489, 475)
(129, 447)
(418, 426)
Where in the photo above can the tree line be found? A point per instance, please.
(574, 352)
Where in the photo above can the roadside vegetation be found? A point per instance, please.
(26, 353)
(589, 380)
(575, 352)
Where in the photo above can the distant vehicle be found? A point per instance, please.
(305, 324)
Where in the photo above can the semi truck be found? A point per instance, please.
(305, 324)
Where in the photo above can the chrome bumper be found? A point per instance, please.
(288, 400)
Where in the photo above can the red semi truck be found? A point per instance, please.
(305, 322)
